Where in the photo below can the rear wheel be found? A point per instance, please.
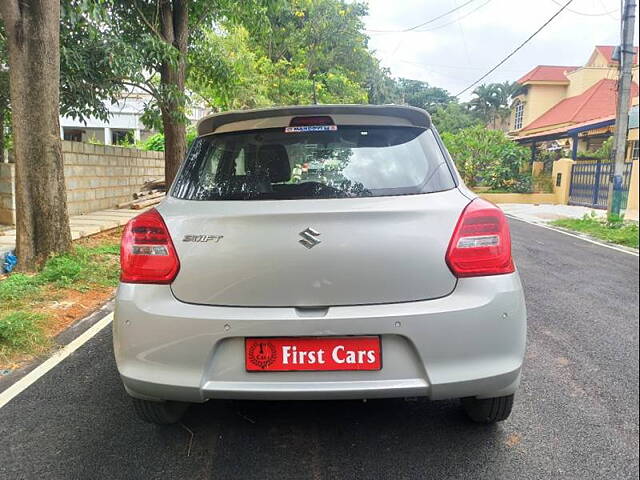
(161, 413)
(488, 410)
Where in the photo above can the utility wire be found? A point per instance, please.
(585, 14)
(442, 25)
(516, 49)
(424, 23)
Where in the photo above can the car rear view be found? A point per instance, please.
(319, 252)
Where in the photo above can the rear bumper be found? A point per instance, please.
(470, 343)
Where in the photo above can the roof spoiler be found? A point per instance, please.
(411, 115)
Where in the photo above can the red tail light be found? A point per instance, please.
(147, 254)
(309, 121)
(481, 242)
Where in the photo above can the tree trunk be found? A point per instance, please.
(42, 222)
(175, 30)
(2, 110)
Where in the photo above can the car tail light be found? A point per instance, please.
(147, 254)
(481, 242)
(311, 121)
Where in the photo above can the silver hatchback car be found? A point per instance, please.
(319, 252)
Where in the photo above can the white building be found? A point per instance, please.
(123, 126)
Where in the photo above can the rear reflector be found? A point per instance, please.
(311, 121)
(147, 254)
(481, 242)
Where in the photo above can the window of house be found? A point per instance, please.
(594, 144)
(122, 137)
(634, 150)
(519, 115)
(72, 135)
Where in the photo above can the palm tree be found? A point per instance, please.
(505, 91)
(484, 103)
(491, 102)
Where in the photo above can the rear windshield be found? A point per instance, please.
(341, 163)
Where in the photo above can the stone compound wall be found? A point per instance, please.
(7, 205)
(97, 177)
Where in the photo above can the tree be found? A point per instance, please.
(157, 35)
(381, 88)
(42, 224)
(4, 108)
(488, 155)
(491, 103)
(89, 71)
(93, 66)
(317, 50)
(227, 72)
(4, 91)
(420, 94)
(453, 117)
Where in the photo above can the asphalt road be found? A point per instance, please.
(576, 415)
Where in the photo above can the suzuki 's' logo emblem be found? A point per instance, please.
(309, 239)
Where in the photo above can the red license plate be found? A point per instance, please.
(312, 353)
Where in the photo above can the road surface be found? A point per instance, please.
(576, 415)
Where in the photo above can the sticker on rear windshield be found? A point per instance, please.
(311, 128)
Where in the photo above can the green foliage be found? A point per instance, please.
(548, 156)
(151, 116)
(605, 152)
(82, 268)
(94, 141)
(63, 270)
(227, 72)
(21, 332)
(422, 95)
(381, 88)
(453, 117)
(491, 102)
(156, 141)
(21, 325)
(79, 269)
(521, 183)
(543, 183)
(18, 286)
(487, 155)
(5, 110)
(93, 64)
(310, 51)
(613, 231)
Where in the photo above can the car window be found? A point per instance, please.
(341, 163)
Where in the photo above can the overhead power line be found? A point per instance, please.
(442, 25)
(415, 27)
(587, 14)
(516, 49)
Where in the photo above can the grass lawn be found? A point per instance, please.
(35, 308)
(613, 232)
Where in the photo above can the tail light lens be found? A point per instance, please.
(481, 242)
(147, 254)
(311, 121)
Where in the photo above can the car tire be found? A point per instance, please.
(488, 410)
(160, 413)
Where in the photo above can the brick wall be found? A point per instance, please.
(7, 208)
(97, 177)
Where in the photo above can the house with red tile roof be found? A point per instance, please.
(602, 56)
(569, 107)
(596, 102)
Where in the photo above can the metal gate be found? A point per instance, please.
(590, 184)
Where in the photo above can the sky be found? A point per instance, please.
(464, 45)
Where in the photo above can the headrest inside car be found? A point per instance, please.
(273, 161)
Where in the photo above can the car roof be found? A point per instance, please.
(388, 115)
